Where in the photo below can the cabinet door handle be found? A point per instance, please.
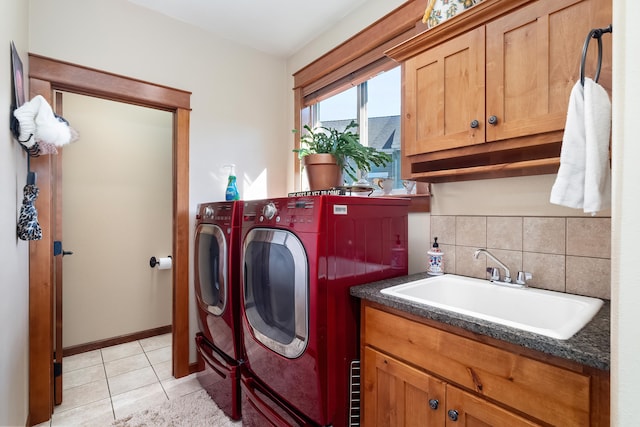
(493, 120)
(453, 415)
(475, 124)
(433, 404)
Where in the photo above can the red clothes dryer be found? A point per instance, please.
(300, 325)
(217, 284)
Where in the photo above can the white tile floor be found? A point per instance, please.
(103, 385)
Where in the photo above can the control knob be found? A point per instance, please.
(208, 212)
(269, 210)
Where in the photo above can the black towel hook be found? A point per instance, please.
(596, 33)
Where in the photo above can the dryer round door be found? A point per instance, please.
(211, 268)
(275, 290)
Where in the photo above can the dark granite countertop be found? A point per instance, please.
(589, 346)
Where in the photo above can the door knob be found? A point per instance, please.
(493, 120)
(474, 124)
(453, 415)
(57, 249)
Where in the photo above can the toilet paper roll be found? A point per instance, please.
(164, 263)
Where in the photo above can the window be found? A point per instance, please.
(375, 105)
(355, 66)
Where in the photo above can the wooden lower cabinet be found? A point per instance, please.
(417, 374)
(398, 395)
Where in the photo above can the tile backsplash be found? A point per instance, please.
(566, 254)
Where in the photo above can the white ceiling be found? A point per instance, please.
(277, 27)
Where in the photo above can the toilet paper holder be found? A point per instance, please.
(153, 261)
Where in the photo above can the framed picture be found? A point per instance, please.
(18, 77)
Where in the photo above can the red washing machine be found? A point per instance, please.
(300, 325)
(217, 284)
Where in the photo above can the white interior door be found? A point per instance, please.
(117, 213)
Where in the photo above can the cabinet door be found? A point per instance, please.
(466, 410)
(533, 60)
(444, 93)
(398, 395)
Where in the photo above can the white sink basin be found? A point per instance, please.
(553, 314)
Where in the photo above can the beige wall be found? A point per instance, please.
(508, 196)
(14, 253)
(419, 232)
(117, 213)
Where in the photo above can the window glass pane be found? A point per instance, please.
(338, 111)
(383, 111)
(342, 107)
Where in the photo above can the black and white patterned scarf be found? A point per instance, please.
(28, 227)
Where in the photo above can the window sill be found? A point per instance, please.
(419, 202)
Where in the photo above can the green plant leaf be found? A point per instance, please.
(344, 145)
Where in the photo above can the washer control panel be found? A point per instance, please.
(293, 212)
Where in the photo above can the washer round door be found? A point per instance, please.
(211, 268)
(275, 290)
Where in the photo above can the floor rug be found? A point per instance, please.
(193, 410)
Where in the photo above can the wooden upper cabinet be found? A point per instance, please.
(445, 94)
(485, 94)
(533, 61)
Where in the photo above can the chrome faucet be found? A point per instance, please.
(495, 275)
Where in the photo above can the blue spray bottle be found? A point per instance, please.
(232, 188)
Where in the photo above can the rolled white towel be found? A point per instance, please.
(26, 115)
(39, 124)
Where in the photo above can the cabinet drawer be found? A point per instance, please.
(474, 411)
(546, 392)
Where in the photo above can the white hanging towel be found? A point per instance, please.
(584, 176)
(597, 176)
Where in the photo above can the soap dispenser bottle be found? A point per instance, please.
(399, 255)
(436, 263)
(232, 187)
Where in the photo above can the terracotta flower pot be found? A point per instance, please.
(323, 171)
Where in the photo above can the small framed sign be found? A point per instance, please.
(17, 83)
(18, 77)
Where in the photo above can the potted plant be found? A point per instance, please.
(327, 152)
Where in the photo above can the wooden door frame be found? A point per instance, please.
(45, 76)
